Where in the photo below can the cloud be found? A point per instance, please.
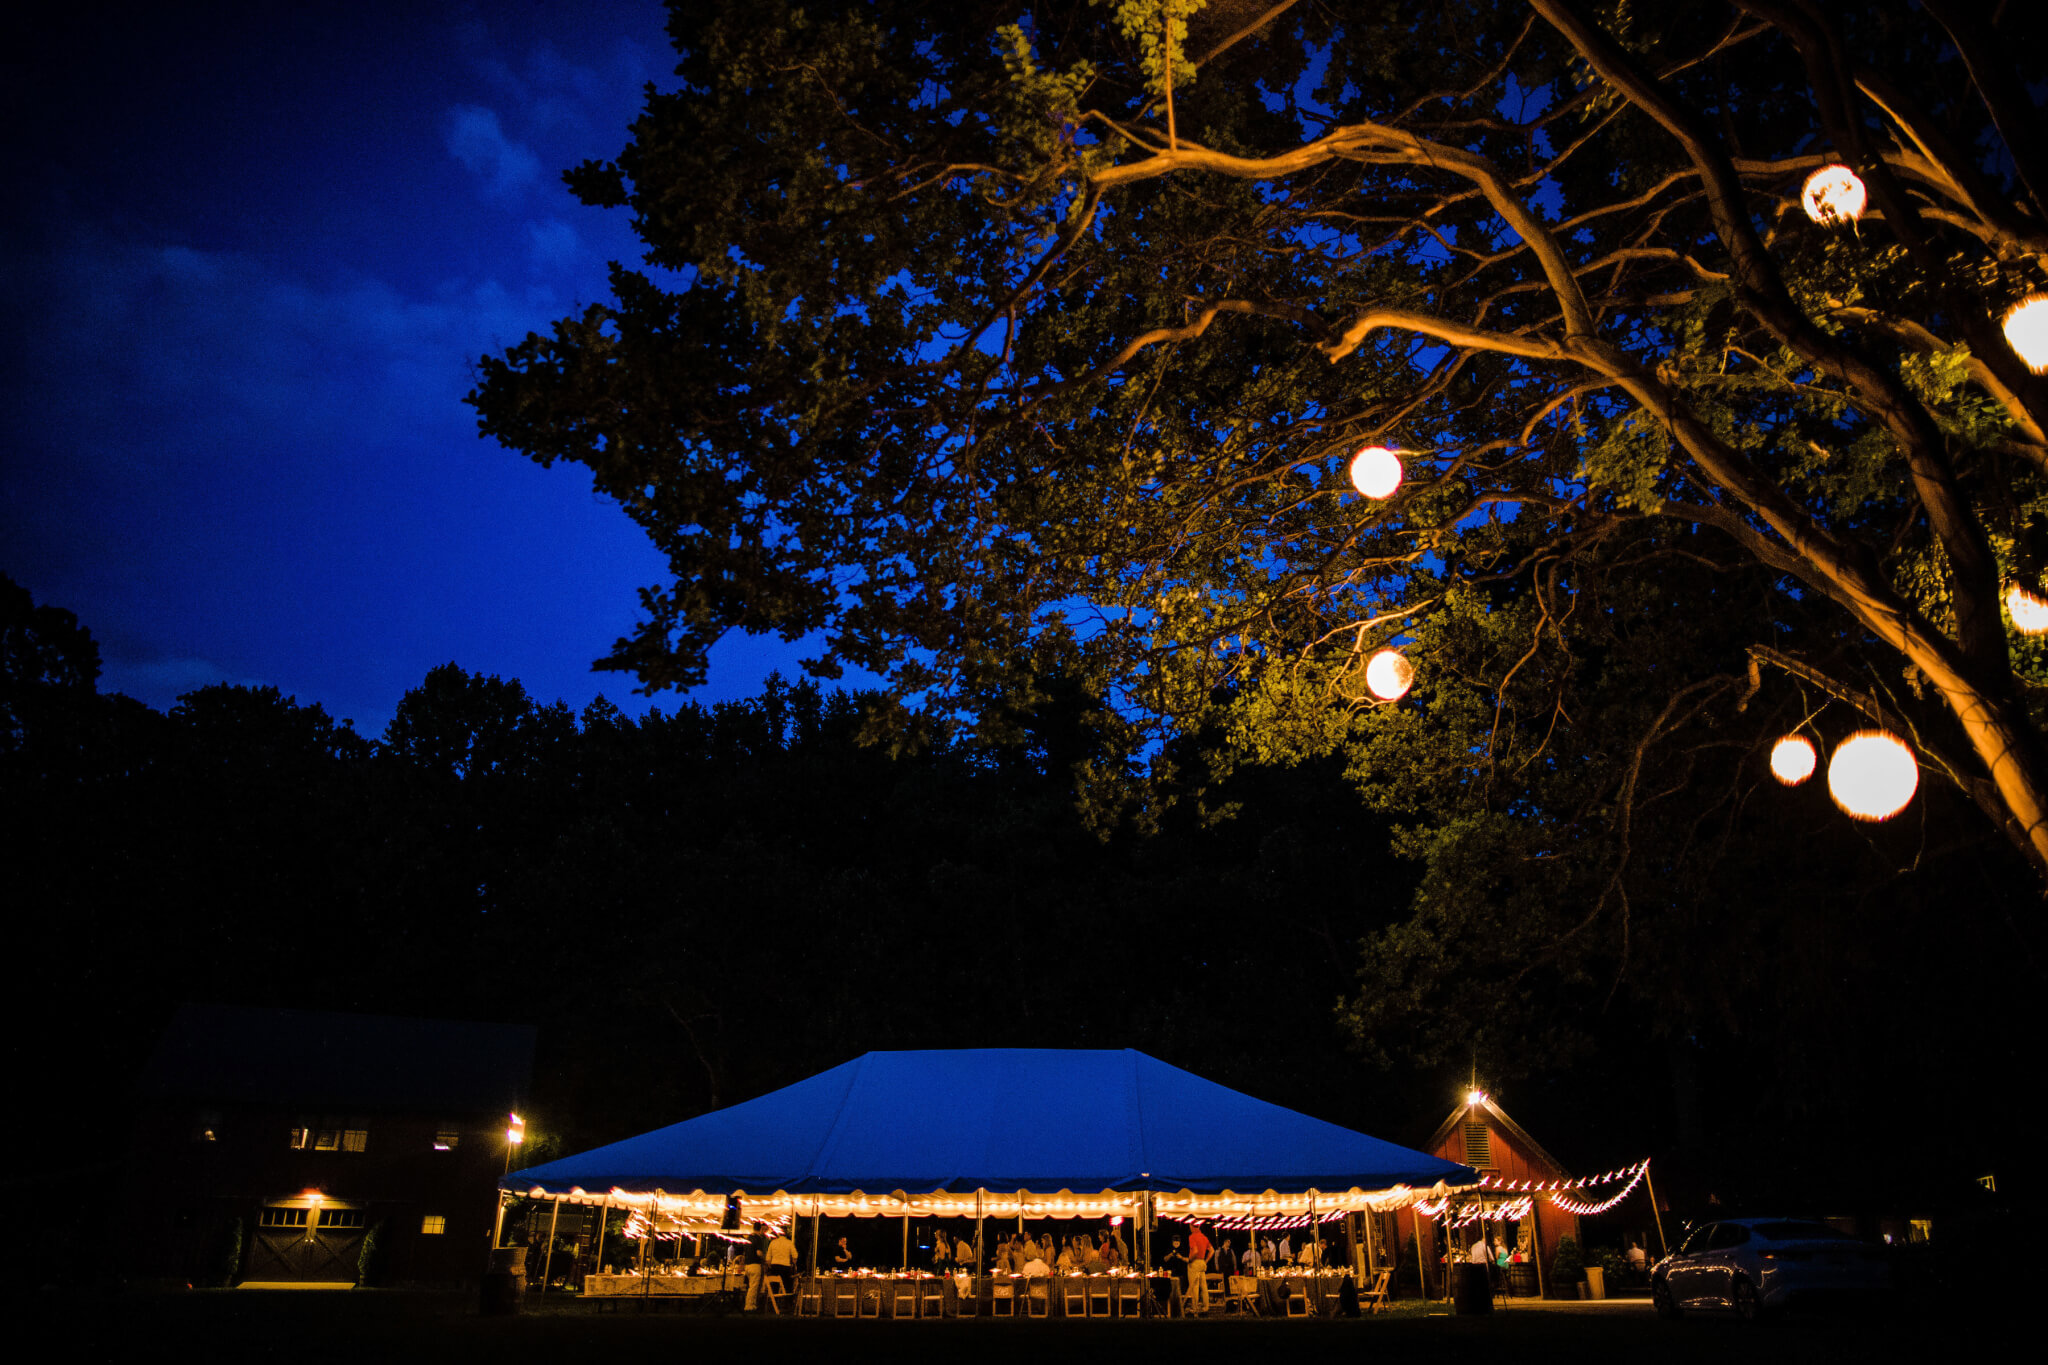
(475, 138)
(555, 245)
(160, 681)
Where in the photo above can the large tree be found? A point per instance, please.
(994, 344)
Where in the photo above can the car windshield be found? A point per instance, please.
(1794, 1231)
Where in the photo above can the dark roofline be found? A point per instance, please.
(1514, 1130)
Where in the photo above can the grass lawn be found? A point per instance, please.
(307, 1328)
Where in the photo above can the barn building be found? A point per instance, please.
(293, 1147)
(1480, 1134)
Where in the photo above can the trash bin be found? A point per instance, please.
(504, 1285)
(1471, 1289)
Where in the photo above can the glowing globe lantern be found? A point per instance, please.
(1388, 675)
(1793, 760)
(2029, 613)
(2026, 331)
(1833, 195)
(1376, 472)
(1873, 775)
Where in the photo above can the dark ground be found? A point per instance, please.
(307, 1328)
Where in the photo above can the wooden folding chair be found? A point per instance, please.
(1101, 1296)
(969, 1297)
(931, 1298)
(903, 1298)
(1037, 1299)
(1299, 1305)
(1375, 1298)
(1003, 1302)
(870, 1300)
(773, 1292)
(1242, 1293)
(810, 1298)
(1073, 1298)
(1130, 1297)
(1215, 1293)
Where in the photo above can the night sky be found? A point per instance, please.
(252, 253)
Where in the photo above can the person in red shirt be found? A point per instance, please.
(1198, 1270)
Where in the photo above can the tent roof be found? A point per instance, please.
(997, 1119)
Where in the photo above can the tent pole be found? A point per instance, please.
(906, 1234)
(1421, 1277)
(977, 1236)
(814, 1236)
(1450, 1253)
(1661, 1243)
(554, 1220)
(603, 1217)
(1536, 1244)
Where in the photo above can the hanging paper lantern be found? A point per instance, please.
(1833, 195)
(1873, 775)
(1792, 760)
(2026, 331)
(2029, 613)
(1376, 472)
(1389, 675)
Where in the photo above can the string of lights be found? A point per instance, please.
(1512, 1211)
(1629, 1173)
(1570, 1205)
(1241, 1223)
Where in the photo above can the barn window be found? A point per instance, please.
(283, 1218)
(333, 1219)
(1478, 1145)
(299, 1137)
(354, 1139)
(326, 1139)
(445, 1140)
(433, 1225)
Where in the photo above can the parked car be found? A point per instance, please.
(1756, 1265)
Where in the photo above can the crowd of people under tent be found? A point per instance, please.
(1190, 1259)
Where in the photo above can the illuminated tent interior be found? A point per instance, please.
(999, 1133)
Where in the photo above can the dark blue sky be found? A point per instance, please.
(251, 253)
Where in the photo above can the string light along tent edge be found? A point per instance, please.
(1873, 775)
(1376, 472)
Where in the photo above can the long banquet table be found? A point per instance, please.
(741, 1279)
(879, 1295)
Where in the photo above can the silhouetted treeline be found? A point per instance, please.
(708, 902)
(695, 906)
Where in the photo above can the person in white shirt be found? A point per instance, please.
(781, 1259)
(1250, 1262)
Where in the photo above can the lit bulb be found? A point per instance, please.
(2029, 613)
(1833, 195)
(2026, 331)
(1792, 760)
(1873, 775)
(1376, 472)
(1475, 1097)
(1388, 675)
